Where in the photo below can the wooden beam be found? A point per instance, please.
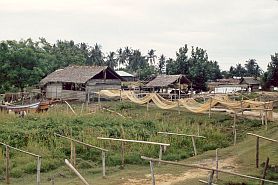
(133, 141)
(206, 168)
(265, 138)
(29, 153)
(76, 172)
(177, 134)
(80, 142)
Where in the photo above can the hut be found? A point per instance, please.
(163, 83)
(252, 83)
(79, 82)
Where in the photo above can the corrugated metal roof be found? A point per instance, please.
(124, 74)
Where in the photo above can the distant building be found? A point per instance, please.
(79, 82)
(252, 83)
(228, 85)
(126, 76)
(165, 82)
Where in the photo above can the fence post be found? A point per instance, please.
(103, 163)
(152, 172)
(216, 159)
(265, 168)
(194, 145)
(210, 178)
(7, 165)
(160, 153)
(257, 152)
(38, 170)
(123, 154)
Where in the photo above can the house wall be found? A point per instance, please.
(95, 85)
(53, 90)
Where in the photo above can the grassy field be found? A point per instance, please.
(35, 133)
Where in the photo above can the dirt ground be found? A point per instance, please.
(228, 164)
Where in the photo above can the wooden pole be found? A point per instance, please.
(103, 164)
(209, 107)
(234, 128)
(76, 172)
(194, 145)
(7, 165)
(160, 153)
(198, 129)
(123, 154)
(38, 170)
(74, 154)
(216, 160)
(210, 178)
(257, 152)
(265, 168)
(147, 106)
(152, 172)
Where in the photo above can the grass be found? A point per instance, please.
(35, 134)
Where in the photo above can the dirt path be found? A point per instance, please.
(170, 179)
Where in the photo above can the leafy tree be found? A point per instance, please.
(270, 78)
(171, 67)
(252, 68)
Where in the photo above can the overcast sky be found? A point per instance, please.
(232, 31)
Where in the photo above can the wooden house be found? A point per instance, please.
(165, 82)
(79, 82)
(252, 83)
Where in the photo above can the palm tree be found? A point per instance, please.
(121, 59)
(96, 55)
(161, 63)
(151, 56)
(111, 60)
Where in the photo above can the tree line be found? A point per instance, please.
(24, 63)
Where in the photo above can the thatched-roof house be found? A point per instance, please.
(79, 82)
(251, 82)
(169, 81)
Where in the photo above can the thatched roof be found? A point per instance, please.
(250, 81)
(76, 74)
(166, 80)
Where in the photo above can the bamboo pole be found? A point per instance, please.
(262, 137)
(70, 108)
(265, 168)
(133, 141)
(7, 165)
(76, 172)
(80, 142)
